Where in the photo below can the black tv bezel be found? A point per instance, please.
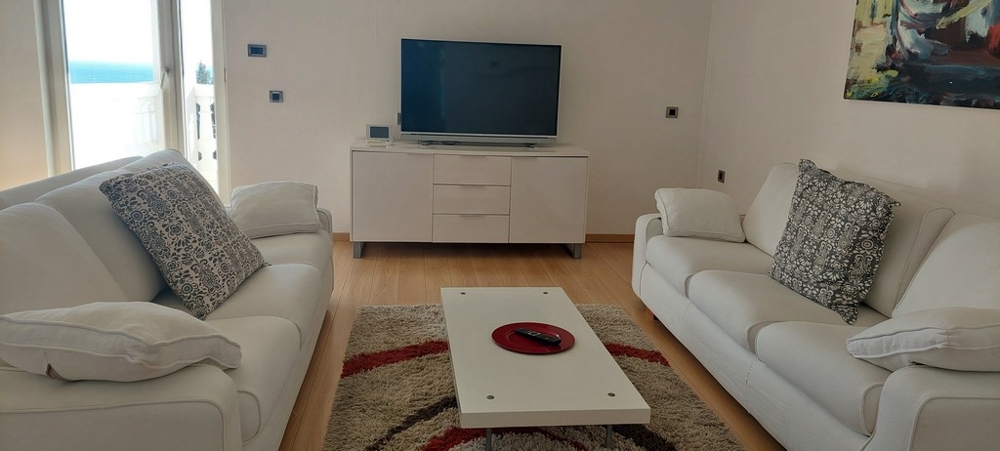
(481, 138)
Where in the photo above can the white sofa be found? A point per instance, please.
(67, 226)
(784, 357)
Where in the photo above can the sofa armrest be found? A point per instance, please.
(925, 408)
(193, 409)
(646, 227)
(325, 219)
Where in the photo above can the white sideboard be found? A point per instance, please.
(468, 194)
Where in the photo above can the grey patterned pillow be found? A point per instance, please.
(203, 256)
(833, 241)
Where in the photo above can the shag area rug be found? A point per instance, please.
(397, 393)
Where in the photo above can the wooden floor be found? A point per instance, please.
(409, 273)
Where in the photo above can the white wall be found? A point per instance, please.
(338, 64)
(775, 93)
(22, 128)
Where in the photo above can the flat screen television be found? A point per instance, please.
(478, 92)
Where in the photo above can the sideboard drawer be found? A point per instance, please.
(471, 170)
(471, 199)
(471, 228)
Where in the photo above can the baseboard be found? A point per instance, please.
(610, 238)
(591, 237)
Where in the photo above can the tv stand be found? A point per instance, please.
(416, 192)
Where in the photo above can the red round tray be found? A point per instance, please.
(506, 338)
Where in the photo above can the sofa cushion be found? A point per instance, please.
(700, 213)
(286, 291)
(111, 341)
(31, 191)
(960, 270)
(742, 303)
(83, 205)
(812, 357)
(45, 263)
(955, 338)
(270, 350)
(314, 249)
(916, 223)
(768, 213)
(679, 258)
(833, 242)
(275, 208)
(199, 250)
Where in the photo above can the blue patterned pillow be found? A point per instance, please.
(833, 242)
(203, 256)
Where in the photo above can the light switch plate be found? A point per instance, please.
(257, 50)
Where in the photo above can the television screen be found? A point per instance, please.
(479, 92)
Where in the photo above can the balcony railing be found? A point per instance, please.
(116, 120)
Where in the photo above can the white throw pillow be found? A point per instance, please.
(955, 338)
(700, 213)
(111, 341)
(275, 208)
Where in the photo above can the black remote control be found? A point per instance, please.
(539, 336)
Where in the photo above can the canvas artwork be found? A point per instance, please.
(939, 52)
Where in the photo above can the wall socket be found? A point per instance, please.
(722, 176)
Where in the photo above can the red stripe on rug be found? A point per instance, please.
(366, 362)
(457, 436)
(452, 438)
(627, 351)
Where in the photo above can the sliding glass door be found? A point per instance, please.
(138, 77)
(116, 104)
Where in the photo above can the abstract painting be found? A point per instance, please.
(938, 52)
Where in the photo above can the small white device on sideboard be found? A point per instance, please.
(379, 135)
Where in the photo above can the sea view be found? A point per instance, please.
(108, 72)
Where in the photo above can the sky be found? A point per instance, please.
(123, 31)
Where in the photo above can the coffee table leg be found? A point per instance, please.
(489, 439)
(607, 438)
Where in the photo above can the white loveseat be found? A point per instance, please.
(63, 245)
(784, 357)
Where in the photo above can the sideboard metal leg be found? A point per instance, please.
(607, 438)
(576, 250)
(358, 247)
(489, 439)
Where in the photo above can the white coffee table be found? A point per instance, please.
(499, 388)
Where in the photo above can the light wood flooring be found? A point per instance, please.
(413, 273)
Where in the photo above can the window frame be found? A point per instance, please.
(54, 74)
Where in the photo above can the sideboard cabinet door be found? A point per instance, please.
(548, 200)
(393, 196)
